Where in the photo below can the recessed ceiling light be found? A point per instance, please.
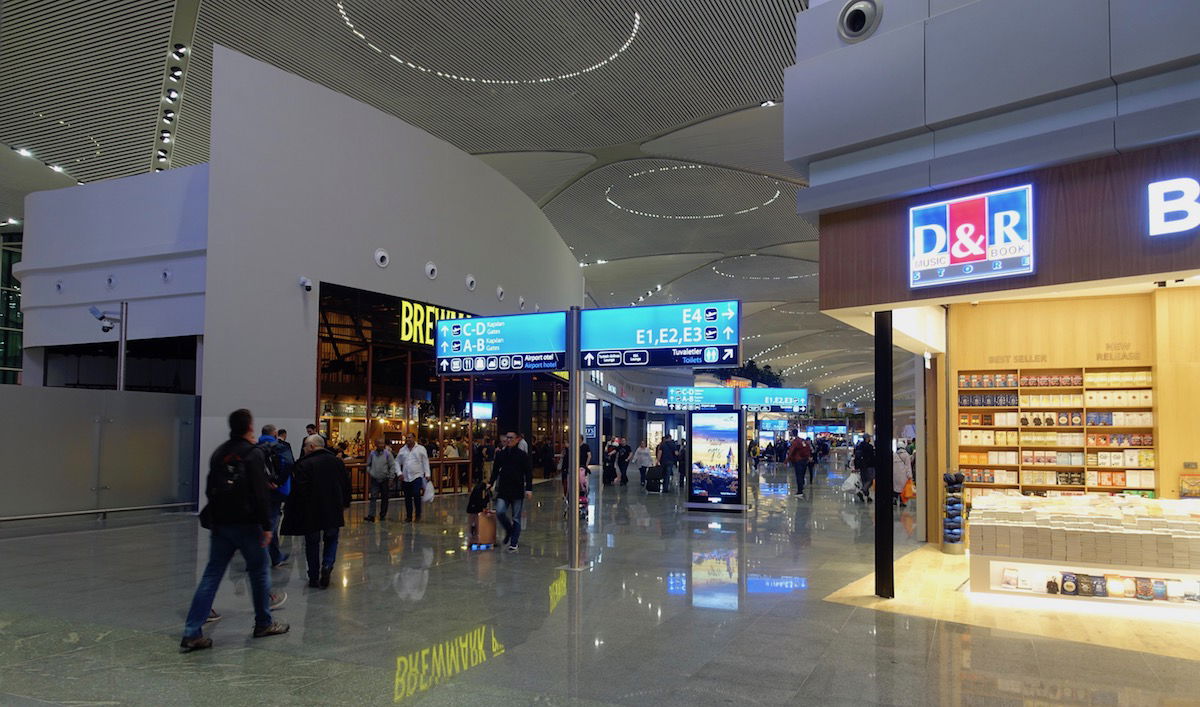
(767, 104)
(56, 168)
(12, 221)
(176, 72)
(168, 116)
(601, 261)
(162, 155)
(165, 136)
(23, 152)
(172, 94)
(180, 50)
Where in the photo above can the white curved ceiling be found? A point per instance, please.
(638, 126)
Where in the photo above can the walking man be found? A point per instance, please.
(799, 453)
(414, 474)
(381, 465)
(864, 463)
(667, 454)
(278, 456)
(624, 455)
(320, 493)
(238, 516)
(512, 483)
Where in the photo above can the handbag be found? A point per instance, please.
(427, 495)
(909, 492)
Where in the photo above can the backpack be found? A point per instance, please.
(228, 488)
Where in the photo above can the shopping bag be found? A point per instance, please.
(853, 479)
(909, 492)
(427, 495)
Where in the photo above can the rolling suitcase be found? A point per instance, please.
(654, 479)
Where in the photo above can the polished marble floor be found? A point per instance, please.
(677, 608)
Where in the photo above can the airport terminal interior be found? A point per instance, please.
(832, 352)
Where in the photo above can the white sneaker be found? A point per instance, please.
(512, 549)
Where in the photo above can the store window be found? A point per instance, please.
(377, 379)
(166, 365)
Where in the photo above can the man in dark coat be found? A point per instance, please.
(512, 483)
(320, 493)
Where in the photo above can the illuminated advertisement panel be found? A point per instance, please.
(976, 237)
(715, 473)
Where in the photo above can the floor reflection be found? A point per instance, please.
(675, 608)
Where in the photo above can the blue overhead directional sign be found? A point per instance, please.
(518, 343)
(705, 334)
(774, 399)
(706, 398)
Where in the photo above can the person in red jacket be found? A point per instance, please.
(798, 455)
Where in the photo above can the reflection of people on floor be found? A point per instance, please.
(413, 578)
(801, 529)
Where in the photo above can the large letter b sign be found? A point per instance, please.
(1174, 206)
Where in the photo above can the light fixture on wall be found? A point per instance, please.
(172, 95)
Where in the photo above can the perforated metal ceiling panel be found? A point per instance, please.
(507, 75)
(750, 139)
(80, 82)
(538, 174)
(648, 206)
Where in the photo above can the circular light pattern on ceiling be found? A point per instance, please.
(757, 277)
(608, 196)
(637, 23)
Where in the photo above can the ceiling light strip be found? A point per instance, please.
(362, 37)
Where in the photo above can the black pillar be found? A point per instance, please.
(884, 578)
(525, 406)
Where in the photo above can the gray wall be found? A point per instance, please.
(947, 91)
(307, 182)
(133, 230)
(72, 450)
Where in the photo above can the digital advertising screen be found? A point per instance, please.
(482, 411)
(715, 477)
(773, 425)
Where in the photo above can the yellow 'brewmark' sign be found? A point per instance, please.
(420, 670)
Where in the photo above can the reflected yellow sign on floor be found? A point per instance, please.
(422, 669)
(558, 590)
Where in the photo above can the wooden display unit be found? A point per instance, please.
(1046, 430)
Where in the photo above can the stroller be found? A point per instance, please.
(583, 494)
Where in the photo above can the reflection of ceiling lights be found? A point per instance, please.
(758, 277)
(637, 23)
(683, 217)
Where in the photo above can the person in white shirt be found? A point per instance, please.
(522, 444)
(414, 474)
(642, 459)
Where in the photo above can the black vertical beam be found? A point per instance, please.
(884, 571)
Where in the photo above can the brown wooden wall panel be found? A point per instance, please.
(1090, 224)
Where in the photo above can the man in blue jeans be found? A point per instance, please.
(238, 514)
(282, 460)
(512, 483)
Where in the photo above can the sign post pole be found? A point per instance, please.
(575, 428)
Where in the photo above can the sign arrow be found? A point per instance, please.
(444, 364)
(731, 312)
(444, 345)
(728, 355)
(728, 332)
(443, 330)
(588, 358)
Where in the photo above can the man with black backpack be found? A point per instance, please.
(238, 516)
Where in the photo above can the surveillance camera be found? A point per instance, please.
(431, 270)
(107, 327)
(306, 284)
(382, 259)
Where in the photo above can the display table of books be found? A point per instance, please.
(1105, 548)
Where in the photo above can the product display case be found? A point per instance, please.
(1054, 432)
(1113, 548)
